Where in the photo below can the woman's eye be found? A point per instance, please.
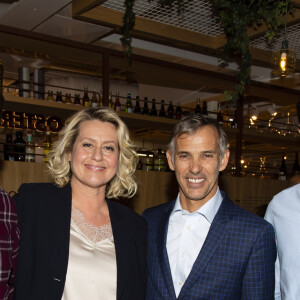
(87, 145)
(109, 148)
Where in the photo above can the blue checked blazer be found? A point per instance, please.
(236, 261)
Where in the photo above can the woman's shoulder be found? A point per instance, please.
(41, 187)
(120, 210)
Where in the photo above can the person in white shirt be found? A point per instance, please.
(283, 213)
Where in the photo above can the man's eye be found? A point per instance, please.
(183, 156)
(207, 155)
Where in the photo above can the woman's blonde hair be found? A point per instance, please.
(123, 184)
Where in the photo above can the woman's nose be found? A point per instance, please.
(97, 154)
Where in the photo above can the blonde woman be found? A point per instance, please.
(76, 242)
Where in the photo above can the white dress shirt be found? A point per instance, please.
(186, 235)
(284, 214)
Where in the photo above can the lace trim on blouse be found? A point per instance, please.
(90, 231)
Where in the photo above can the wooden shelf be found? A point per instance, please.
(62, 110)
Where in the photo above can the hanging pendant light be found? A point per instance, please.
(284, 60)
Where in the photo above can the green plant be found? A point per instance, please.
(235, 16)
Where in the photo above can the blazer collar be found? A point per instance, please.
(162, 249)
(120, 240)
(214, 237)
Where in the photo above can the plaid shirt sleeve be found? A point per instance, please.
(9, 244)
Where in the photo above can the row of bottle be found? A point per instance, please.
(152, 161)
(283, 172)
(19, 150)
(171, 112)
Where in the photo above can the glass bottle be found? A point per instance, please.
(110, 101)
(86, 101)
(128, 107)
(162, 112)
(30, 149)
(50, 96)
(68, 99)
(159, 162)
(219, 114)
(59, 97)
(204, 109)
(77, 99)
(148, 165)
(170, 110)
(145, 107)
(9, 148)
(19, 147)
(198, 110)
(137, 108)
(101, 99)
(296, 167)
(117, 105)
(178, 112)
(282, 170)
(94, 100)
(47, 145)
(153, 111)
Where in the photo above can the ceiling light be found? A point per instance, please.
(284, 60)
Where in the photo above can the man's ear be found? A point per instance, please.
(224, 160)
(171, 165)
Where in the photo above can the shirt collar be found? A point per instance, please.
(208, 210)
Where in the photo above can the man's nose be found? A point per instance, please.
(195, 165)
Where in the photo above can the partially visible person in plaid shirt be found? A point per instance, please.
(9, 245)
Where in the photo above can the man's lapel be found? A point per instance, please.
(162, 230)
(214, 237)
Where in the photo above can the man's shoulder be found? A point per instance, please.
(247, 221)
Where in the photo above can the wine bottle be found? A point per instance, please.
(204, 109)
(77, 99)
(162, 112)
(110, 101)
(153, 111)
(50, 96)
(86, 102)
(47, 145)
(19, 147)
(94, 100)
(128, 107)
(30, 149)
(137, 108)
(59, 97)
(198, 110)
(145, 107)
(170, 110)
(117, 105)
(178, 112)
(282, 170)
(219, 114)
(68, 99)
(9, 148)
(296, 167)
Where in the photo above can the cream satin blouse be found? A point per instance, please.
(92, 270)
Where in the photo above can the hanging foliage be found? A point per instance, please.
(236, 17)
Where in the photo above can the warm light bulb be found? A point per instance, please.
(283, 62)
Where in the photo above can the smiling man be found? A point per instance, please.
(201, 245)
